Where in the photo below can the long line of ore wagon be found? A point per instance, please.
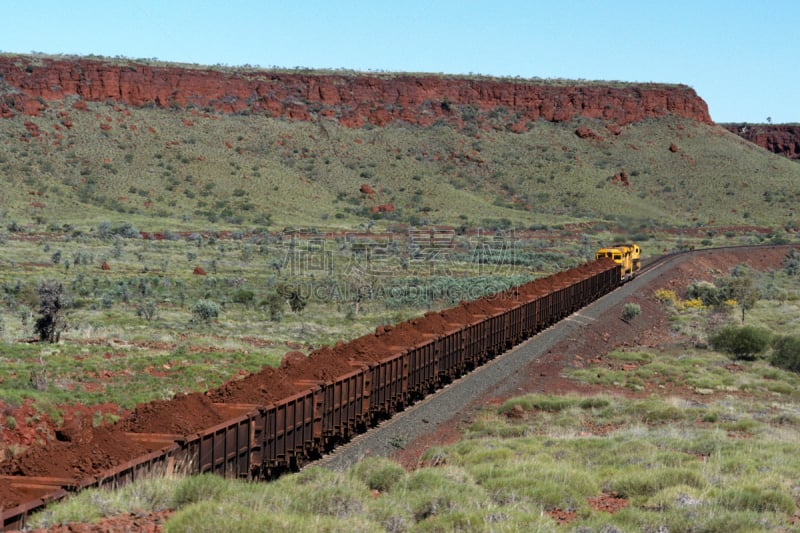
(275, 420)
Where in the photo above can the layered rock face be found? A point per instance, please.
(782, 139)
(28, 84)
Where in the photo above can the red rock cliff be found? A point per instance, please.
(782, 139)
(27, 84)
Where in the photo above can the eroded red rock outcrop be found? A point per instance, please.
(782, 139)
(28, 84)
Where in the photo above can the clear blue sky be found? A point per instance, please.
(741, 56)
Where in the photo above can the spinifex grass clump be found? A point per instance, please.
(671, 469)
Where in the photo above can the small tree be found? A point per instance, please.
(275, 304)
(296, 302)
(53, 304)
(146, 310)
(740, 288)
(291, 294)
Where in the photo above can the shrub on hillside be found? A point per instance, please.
(146, 310)
(275, 304)
(791, 263)
(243, 296)
(205, 311)
(786, 353)
(707, 292)
(744, 343)
(666, 296)
(630, 311)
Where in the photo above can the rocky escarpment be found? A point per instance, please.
(28, 84)
(782, 139)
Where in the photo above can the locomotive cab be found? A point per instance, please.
(627, 256)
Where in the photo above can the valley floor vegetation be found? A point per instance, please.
(114, 316)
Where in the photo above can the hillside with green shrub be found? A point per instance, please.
(170, 169)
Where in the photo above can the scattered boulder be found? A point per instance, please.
(385, 208)
(621, 177)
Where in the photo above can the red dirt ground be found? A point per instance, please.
(542, 376)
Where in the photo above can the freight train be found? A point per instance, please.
(262, 435)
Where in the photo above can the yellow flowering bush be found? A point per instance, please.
(666, 296)
(693, 303)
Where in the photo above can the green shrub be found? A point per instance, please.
(708, 293)
(205, 311)
(275, 304)
(743, 343)
(786, 353)
(146, 310)
(630, 311)
(791, 263)
(243, 296)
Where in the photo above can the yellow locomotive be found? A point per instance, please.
(627, 256)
